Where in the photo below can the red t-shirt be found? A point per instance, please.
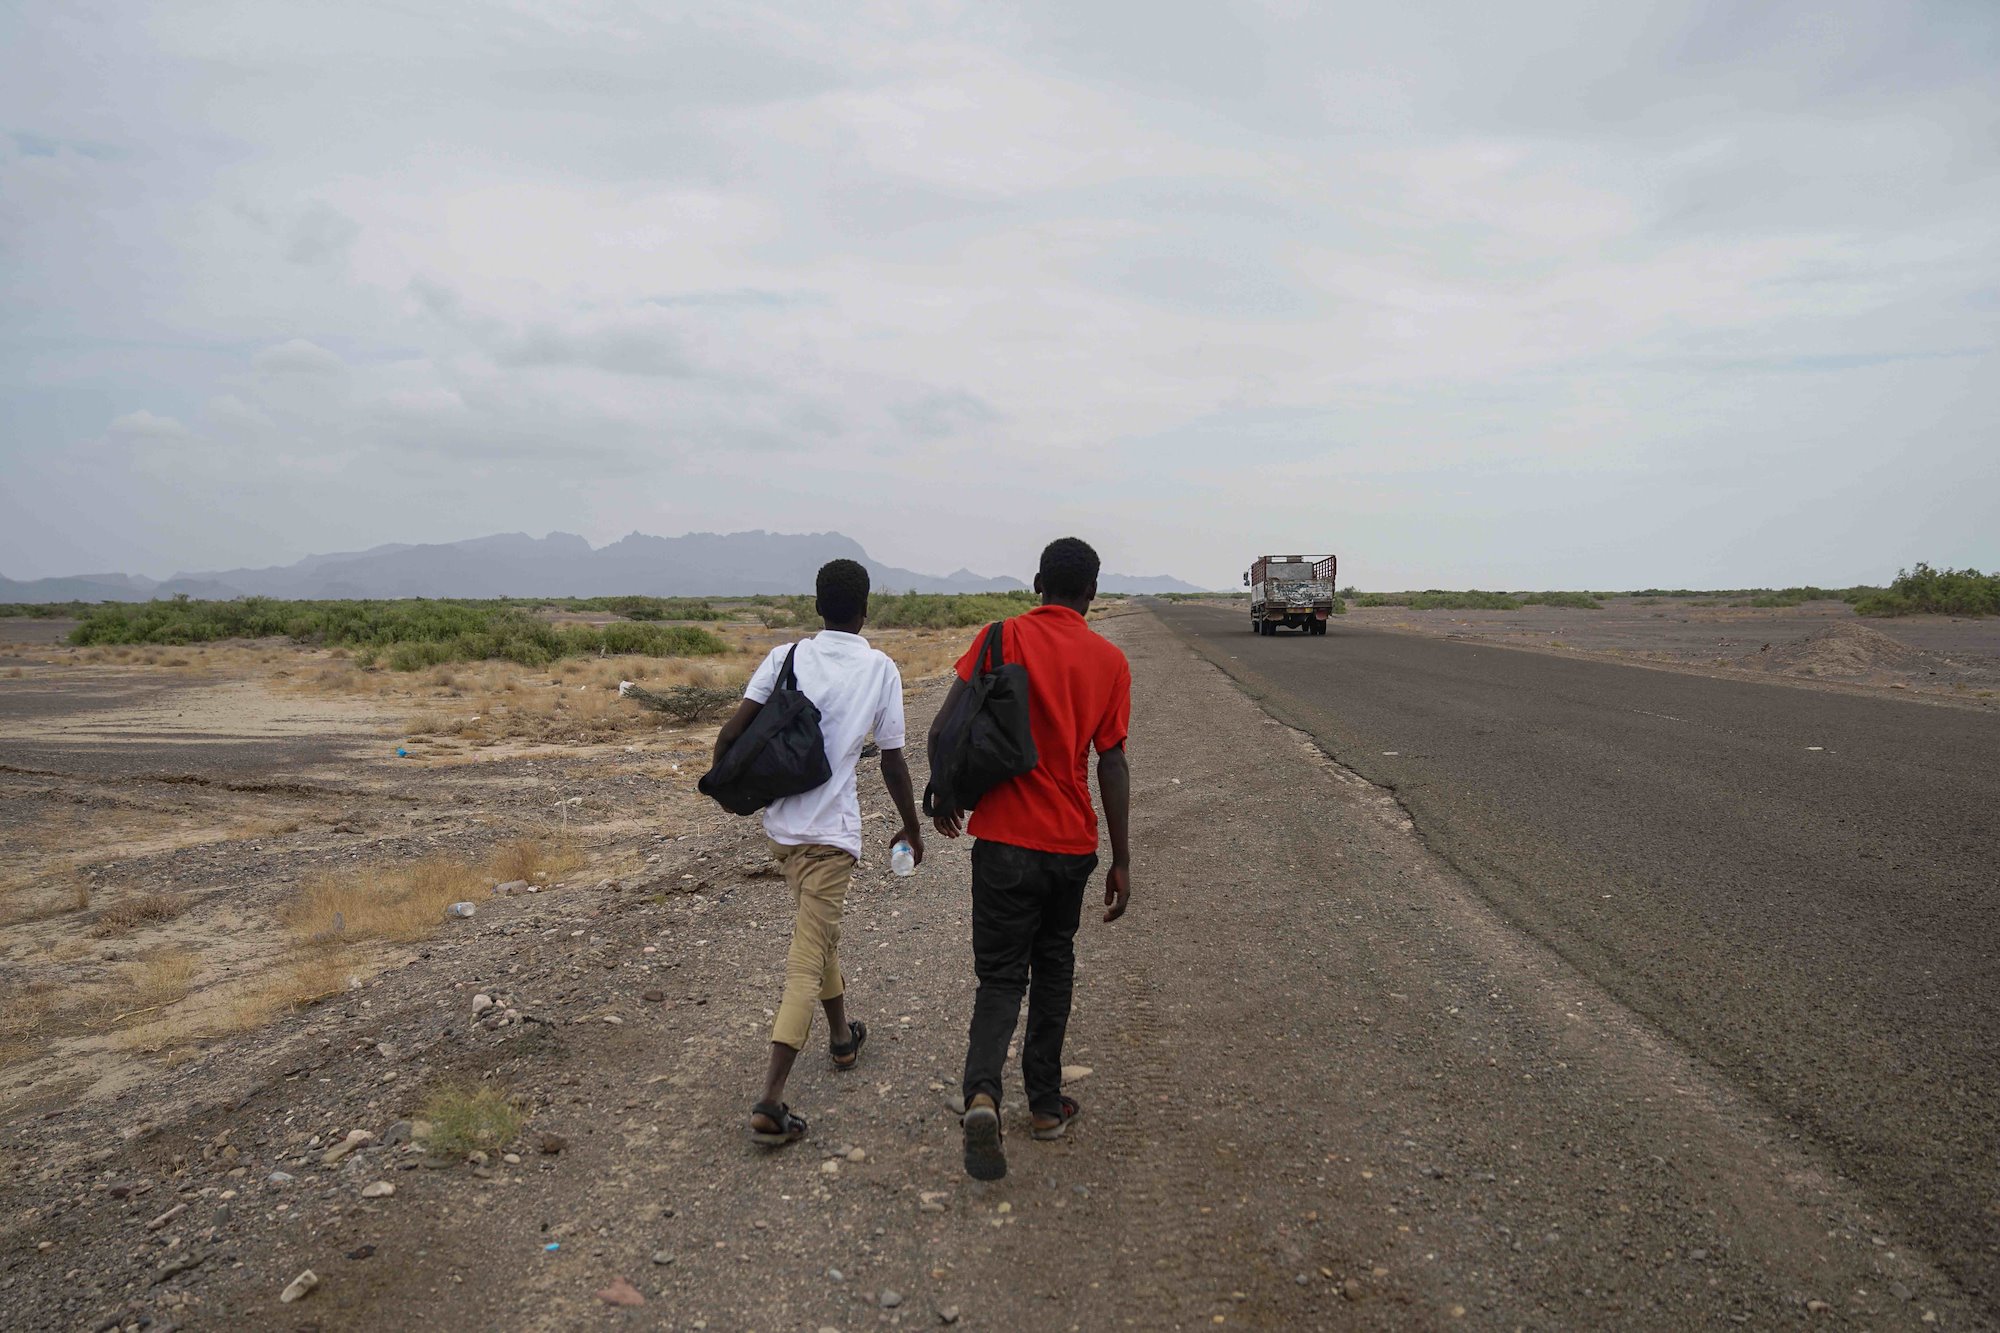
(1079, 695)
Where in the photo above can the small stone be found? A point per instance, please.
(857, 1154)
(1697, 1256)
(830, 1167)
(356, 1138)
(956, 1101)
(835, 1275)
(889, 1299)
(44, 1246)
(552, 1144)
(1351, 1289)
(621, 1292)
(654, 996)
(278, 1178)
(481, 1003)
(385, 1050)
(398, 1134)
(1901, 1292)
(1071, 1073)
(299, 1288)
(361, 1252)
(380, 1189)
(478, 1157)
(1302, 1279)
(662, 1258)
(511, 1158)
(948, 1315)
(166, 1217)
(613, 1019)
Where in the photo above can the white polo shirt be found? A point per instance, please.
(857, 689)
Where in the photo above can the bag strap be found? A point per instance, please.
(788, 679)
(993, 653)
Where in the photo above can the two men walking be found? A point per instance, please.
(1034, 853)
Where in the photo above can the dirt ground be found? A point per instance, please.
(1823, 644)
(1324, 1086)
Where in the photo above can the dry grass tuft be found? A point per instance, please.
(403, 902)
(160, 980)
(145, 909)
(466, 1117)
(534, 858)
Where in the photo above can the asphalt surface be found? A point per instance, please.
(1800, 888)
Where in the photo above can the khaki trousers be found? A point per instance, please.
(818, 876)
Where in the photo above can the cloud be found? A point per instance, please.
(297, 357)
(321, 233)
(144, 425)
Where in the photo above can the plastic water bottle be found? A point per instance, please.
(903, 859)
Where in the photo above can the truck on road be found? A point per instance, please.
(1294, 591)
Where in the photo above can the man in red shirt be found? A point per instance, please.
(1036, 849)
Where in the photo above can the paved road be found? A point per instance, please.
(1800, 887)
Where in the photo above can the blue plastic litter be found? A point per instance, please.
(553, 1246)
(401, 753)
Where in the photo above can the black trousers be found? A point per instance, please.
(1025, 908)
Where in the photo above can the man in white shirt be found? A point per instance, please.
(816, 835)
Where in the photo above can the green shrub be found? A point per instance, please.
(1575, 601)
(408, 634)
(1927, 591)
(929, 610)
(1438, 599)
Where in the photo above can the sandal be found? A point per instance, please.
(850, 1051)
(793, 1127)
(1070, 1111)
(985, 1158)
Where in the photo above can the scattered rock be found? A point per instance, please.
(662, 1258)
(356, 1138)
(481, 1003)
(948, 1315)
(380, 1189)
(279, 1178)
(1818, 1307)
(830, 1167)
(166, 1217)
(890, 1298)
(1351, 1289)
(398, 1134)
(299, 1288)
(552, 1144)
(1071, 1073)
(621, 1292)
(1901, 1292)
(654, 996)
(857, 1155)
(362, 1252)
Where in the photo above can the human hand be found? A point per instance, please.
(1117, 891)
(911, 834)
(948, 824)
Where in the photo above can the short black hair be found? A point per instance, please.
(1069, 568)
(842, 588)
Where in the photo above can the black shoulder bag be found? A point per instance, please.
(986, 738)
(781, 753)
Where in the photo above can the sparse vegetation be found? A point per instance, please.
(410, 634)
(1574, 601)
(926, 610)
(1437, 599)
(44, 610)
(144, 909)
(1927, 591)
(467, 1117)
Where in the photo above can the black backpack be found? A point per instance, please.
(781, 753)
(986, 738)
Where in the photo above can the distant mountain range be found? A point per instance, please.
(559, 565)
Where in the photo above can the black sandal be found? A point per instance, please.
(794, 1128)
(985, 1158)
(850, 1051)
(1070, 1111)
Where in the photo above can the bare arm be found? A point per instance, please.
(896, 777)
(1114, 784)
(738, 723)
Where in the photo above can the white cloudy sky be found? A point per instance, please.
(1555, 293)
